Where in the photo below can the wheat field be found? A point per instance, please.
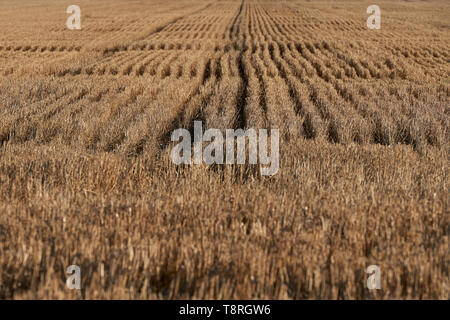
(86, 177)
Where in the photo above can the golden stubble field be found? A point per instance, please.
(86, 179)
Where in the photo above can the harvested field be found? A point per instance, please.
(85, 171)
